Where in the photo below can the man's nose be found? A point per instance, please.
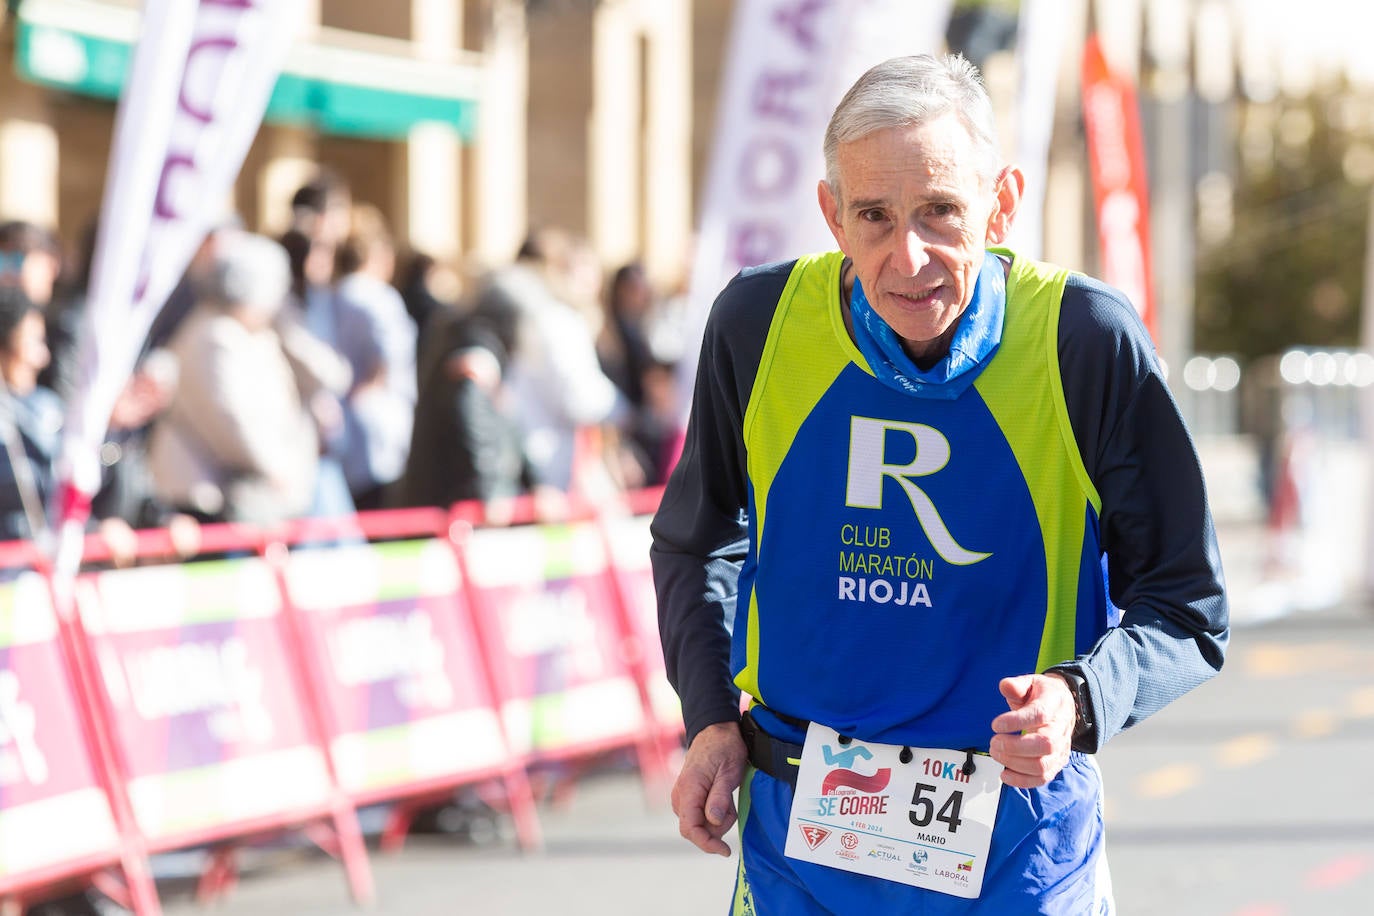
(910, 255)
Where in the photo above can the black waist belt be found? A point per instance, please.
(782, 759)
(779, 759)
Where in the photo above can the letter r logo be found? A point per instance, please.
(867, 468)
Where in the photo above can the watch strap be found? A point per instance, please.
(1082, 700)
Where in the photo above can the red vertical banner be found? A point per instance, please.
(1116, 155)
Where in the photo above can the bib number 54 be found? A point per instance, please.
(923, 807)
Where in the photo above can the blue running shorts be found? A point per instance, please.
(1048, 856)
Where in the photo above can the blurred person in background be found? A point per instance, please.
(558, 389)
(190, 287)
(465, 445)
(309, 329)
(623, 346)
(671, 322)
(429, 288)
(31, 259)
(657, 426)
(628, 360)
(377, 337)
(237, 443)
(30, 419)
(124, 500)
(322, 208)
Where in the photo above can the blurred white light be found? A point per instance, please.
(1361, 369)
(1293, 367)
(1215, 61)
(1225, 373)
(1197, 372)
(1321, 370)
(1202, 373)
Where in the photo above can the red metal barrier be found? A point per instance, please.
(131, 882)
(212, 729)
(404, 685)
(628, 540)
(565, 689)
(217, 699)
(55, 818)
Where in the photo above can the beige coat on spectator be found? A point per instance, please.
(236, 442)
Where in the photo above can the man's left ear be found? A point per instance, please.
(1010, 184)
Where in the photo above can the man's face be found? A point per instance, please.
(914, 216)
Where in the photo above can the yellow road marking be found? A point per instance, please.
(1245, 750)
(1276, 660)
(1168, 781)
(1315, 723)
(1271, 660)
(1361, 703)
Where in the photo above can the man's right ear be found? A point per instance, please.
(830, 209)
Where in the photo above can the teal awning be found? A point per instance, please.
(87, 48)
(364, 111)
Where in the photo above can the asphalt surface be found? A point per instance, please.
(1249, 797)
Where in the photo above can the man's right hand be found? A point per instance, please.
(703, 796)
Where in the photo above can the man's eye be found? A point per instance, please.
(871, 216)
(942, 210)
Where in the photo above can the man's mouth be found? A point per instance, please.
(917, 298)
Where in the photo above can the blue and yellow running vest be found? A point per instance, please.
(907, 553)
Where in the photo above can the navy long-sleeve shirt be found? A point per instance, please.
(1164, 569)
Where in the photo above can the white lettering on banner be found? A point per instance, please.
(18, 736)
(369, 650)
(867, 468)
(202, 677)
(555, 623)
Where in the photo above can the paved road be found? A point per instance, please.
(1250, 797)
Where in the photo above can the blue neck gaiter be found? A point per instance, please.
(975, 340)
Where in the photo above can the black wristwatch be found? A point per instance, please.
(1082, 702)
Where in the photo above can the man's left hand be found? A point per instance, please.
(1033, 739)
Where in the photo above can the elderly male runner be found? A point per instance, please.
(921, 476)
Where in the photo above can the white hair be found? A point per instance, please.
(905, 91)
(249, 270)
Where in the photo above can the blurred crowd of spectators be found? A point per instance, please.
(303, 377)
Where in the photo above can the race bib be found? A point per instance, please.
(911, 815)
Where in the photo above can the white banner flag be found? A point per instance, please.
(201, 77)
(788, 64)
(1039, 45)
